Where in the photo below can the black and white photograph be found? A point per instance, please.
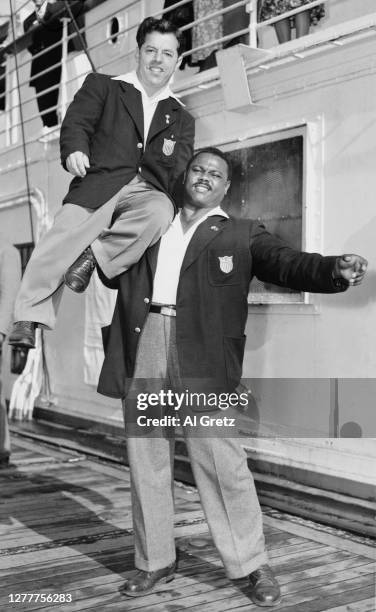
(187, 305)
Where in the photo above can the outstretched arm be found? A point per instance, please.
(276, 262)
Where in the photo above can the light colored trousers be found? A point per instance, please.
(219, 465)
(119, 232)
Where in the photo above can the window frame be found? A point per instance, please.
(312, 175)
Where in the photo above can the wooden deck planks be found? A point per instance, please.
(365, 605)
(65, 527)
(213, 596)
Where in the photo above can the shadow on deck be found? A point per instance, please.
(66, 529)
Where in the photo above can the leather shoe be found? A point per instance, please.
(23, 334)
(265, 588)
(78, 275)
(144, 583)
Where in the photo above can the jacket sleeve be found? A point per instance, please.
(30, 21)
(52, 15)
(82, 117)
(57, 10)
(274, 261)
(110, 283)
(10, 276)
(185, 150)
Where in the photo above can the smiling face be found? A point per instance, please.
(157, 60)
(206, 182)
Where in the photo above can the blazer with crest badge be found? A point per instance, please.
(105, 121)
(211, 308)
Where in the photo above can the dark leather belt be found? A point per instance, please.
(167, 311)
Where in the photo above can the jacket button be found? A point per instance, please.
(139, 145)
(137, 330)
(146, 300)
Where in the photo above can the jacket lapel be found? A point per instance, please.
(206, 232)
(164, 117)
(132, 101)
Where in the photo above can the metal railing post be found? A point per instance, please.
(63, 101)
(8, 122)
(252, 9)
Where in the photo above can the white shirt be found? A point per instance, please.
(149, 103)
(171, 253)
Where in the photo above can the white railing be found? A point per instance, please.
(250, 34)
(63, 102)
(288, 14)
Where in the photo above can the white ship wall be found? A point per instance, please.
(333, 338)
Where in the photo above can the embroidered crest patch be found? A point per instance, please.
(226, 263)
(168, 146)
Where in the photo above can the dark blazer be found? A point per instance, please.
(45, 34)
(211, 308)
(45, 70)
(181, 16)
(105, 121)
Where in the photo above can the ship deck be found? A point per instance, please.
(66, 529)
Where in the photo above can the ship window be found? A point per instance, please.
(268, 185)
(113, 30)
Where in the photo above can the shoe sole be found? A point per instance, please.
(20, 344)
(160, 582)
(266, 605)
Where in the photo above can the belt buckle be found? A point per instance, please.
(168, 312)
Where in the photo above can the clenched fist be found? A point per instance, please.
(351, 268)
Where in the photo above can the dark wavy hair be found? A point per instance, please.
(217, 153)
(163, 26)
